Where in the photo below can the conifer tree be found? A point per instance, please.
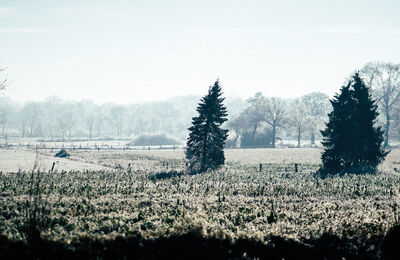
(206, 142)
(352, 143)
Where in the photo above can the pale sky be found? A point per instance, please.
(137, 51)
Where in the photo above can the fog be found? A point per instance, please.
(166, 122)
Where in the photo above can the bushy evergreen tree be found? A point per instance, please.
(352, 143)
(205, 145)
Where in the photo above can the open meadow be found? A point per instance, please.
(103, 195)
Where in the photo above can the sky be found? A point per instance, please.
(139, 51)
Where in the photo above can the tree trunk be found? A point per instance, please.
(99, 128)
(298, 137)
(273, 134)
(312, 137)
(51, 133)
(235, 141)
(203, 156)
(387, 127)
(253, 134)
(23, 130)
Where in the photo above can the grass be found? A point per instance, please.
(236, 203)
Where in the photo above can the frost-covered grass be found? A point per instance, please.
(234, 202)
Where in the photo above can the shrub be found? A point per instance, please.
(153, 139)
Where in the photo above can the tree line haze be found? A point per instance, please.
(259, 121)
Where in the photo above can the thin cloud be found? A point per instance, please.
(259, 32)
(357, 31)
(338, 30)
(83, 10)
(7, 12)
(23, 30)
(157, 82)
(72, 62)
(261, 50)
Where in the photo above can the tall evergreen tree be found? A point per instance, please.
(206, 142)
(352, 143)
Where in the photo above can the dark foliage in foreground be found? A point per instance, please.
(352, 143)
(389, 248)
(165, 175)
(192, 246)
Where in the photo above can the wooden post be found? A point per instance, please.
(295, 167)
(260, 167)
(52, 167)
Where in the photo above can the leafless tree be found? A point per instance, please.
(3, 81)
(88, 110)
(239, 125)
(4, 110)
(299, 118)
(318, 106)
(90, 119)
(256, 112)
(62, 125)
(118, 117)
(99, 120)
(30, 117)
(275, 109)
(4, 114)
(384, 80)
(70, 121)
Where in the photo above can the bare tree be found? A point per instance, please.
(275, 109)
(299, 118)
(62, 125)
(88, 108)
(70, 122)
(3, 81)
(256, 112)
(90, 119)
(318, 106)
(396, 122)
(239, 125)
(99, 120)
(118, 117)
(4, 114)
(384, 80)
(30, 117)
(3, 111)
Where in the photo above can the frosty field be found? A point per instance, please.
(109, 194)
(13, 160)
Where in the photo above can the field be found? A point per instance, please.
(109, 196)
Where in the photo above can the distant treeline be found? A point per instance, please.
(58, 119)
(254, 123)
(260, 121)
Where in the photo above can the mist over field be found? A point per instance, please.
(199, 130)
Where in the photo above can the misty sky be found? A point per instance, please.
(136, 51)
